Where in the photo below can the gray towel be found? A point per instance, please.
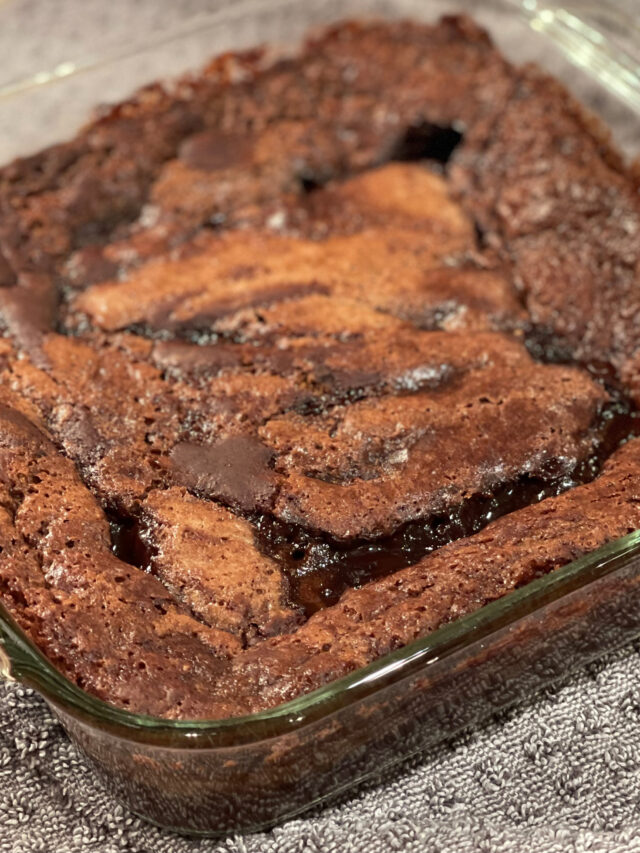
(561, 774)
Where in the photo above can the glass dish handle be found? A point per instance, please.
(602, 37)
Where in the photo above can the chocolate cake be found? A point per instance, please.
(304, 359)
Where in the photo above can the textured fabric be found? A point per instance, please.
(561, 774)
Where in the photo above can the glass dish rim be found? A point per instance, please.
(21, 660)
(583, 44)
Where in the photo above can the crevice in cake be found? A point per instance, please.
(143, 541)
(127, 543)
(428, 141)
(321, 569)
(17, 596)
(480, 236)
(547, 347)
(131, 546)
(310, 182)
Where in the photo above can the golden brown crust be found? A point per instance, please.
(265, 378)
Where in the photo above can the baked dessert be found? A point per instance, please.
(303, 359)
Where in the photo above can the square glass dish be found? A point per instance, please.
(217, 776)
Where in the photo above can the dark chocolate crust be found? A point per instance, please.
(277, 393)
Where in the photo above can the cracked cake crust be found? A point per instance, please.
(276, 390)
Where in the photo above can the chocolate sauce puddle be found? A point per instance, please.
(128, 542)
(320, 569)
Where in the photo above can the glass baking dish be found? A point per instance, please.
(217, 776)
